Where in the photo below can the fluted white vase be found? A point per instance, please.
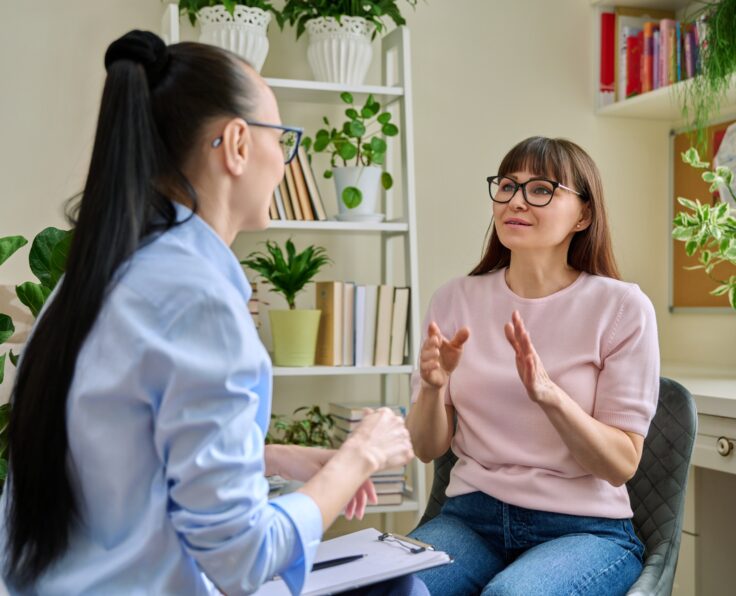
(340, 51)
(243, 33)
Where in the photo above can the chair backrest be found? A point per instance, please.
(657, 491)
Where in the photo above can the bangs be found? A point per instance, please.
(541, 157)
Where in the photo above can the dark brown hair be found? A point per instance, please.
(590, 249)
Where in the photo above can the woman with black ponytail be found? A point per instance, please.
(137, 458)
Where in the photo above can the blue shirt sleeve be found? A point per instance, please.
(209, 438)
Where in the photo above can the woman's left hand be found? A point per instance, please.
(301, 463)
(528, 364)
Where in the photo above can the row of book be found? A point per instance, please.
(361, 325)
(643, 50)
(389, 483)
(297, 196)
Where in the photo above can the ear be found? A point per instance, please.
(236, 145)
(585, 219)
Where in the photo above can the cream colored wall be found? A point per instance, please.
(486, 75)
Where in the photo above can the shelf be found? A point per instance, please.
(293, 90)
(316, 371)
(652, 4)
(660, 104)
(407, 505)
(339, 226)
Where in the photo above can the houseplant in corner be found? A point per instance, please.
(237, 25)
(294, 331)
(313, 430)
(340, 34)
(354, 142)
(709, 231)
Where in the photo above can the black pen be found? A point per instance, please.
(332, 562)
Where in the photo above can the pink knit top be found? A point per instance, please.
(597, 339)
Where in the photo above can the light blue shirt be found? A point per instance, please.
(166, 419)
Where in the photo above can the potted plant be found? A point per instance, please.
(358, 142)
(709, 231)
(702, 97)
(47, 260)
(239, 26)
(340, 34)
(313, 430)
(294, 332)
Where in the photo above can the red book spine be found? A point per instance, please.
(633, 63)
(608, 49)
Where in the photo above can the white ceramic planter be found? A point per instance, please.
(368, 180)
(340, 51)
(243, 33)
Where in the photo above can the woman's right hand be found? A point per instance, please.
(382, 437)
(440, 356)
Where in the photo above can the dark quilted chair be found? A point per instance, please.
(657, 491)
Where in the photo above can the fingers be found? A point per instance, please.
(460, 337)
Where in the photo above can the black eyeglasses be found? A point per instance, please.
(290, 138)
(538, 192)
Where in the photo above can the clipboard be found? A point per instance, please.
(386, 556)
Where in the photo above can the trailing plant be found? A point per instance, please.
(705, 93)
(355, 142)
(313, 430)
(192, 7)
(709, 231)
(287, 275)
(375, 11)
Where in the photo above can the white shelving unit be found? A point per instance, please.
(396, 236)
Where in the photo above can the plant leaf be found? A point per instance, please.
(8, 246)
(386, 180)
(13, 357)
(33, 295)
(41, 251)
(6, 328)
(352, 197)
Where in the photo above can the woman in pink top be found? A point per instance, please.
(549, 364)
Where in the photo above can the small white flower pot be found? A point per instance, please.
(340, 51)
(368, 180)
(243, 33)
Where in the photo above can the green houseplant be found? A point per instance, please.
(340, 34)
(312, 430)
(709, 231)
(47, 260)
(356, 149)
(240, 26)
(294, 331)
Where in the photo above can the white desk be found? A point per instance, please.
(705, 566)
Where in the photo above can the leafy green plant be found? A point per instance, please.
(300, 11)
(287, 275)
(313, 430)
(709, 231)
(192, 7)
(355, 143)
(703, 96)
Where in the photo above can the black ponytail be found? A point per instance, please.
(154, 104)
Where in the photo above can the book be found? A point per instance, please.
(633, 63)
(678, 50)
(385, 556)
(279, 203)
(647, 57)
(301, 190)
(390, 499)
(390, 486)
(366, 325)
(655, 60)
(272, 211)
(329, 337)
(353, 411)
(288, 209)
(348, 324)
(383, 325)
(608, 48)
(314, 195)
(293, 197)
(399, 319)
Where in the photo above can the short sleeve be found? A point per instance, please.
(628, 383)
(437, 312)
(211, 444)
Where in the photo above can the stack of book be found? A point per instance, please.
(297, 196)
(389, 483)
(643, 50)
(361, 325)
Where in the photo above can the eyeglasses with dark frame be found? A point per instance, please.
(537, 192)
(291, 136)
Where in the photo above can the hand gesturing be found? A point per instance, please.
(528, 364)
(440, 356)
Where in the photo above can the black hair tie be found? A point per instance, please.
(144, 47)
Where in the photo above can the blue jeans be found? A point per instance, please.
(502, 549)
(407, 585)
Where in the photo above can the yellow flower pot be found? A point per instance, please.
(294, 334)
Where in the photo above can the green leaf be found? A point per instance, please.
(2, 368)
(721, 290)
(692, 158)
(41, 251)
(682, 234)
(688, 203)
(708, 176)
(351, 113)
(390, 130)
(352, 197)
(378, 145)
(59, 257)
(328, 174)
(690, 247)
(384, 118)
(8, 246)
(732, 297)
(346, 97)
(3, 469)
(13, 357)
(357, 129)
(6, 328)
(386, 180)
(347, 151)
(33, 296)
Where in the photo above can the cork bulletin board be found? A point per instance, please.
(691, 289)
